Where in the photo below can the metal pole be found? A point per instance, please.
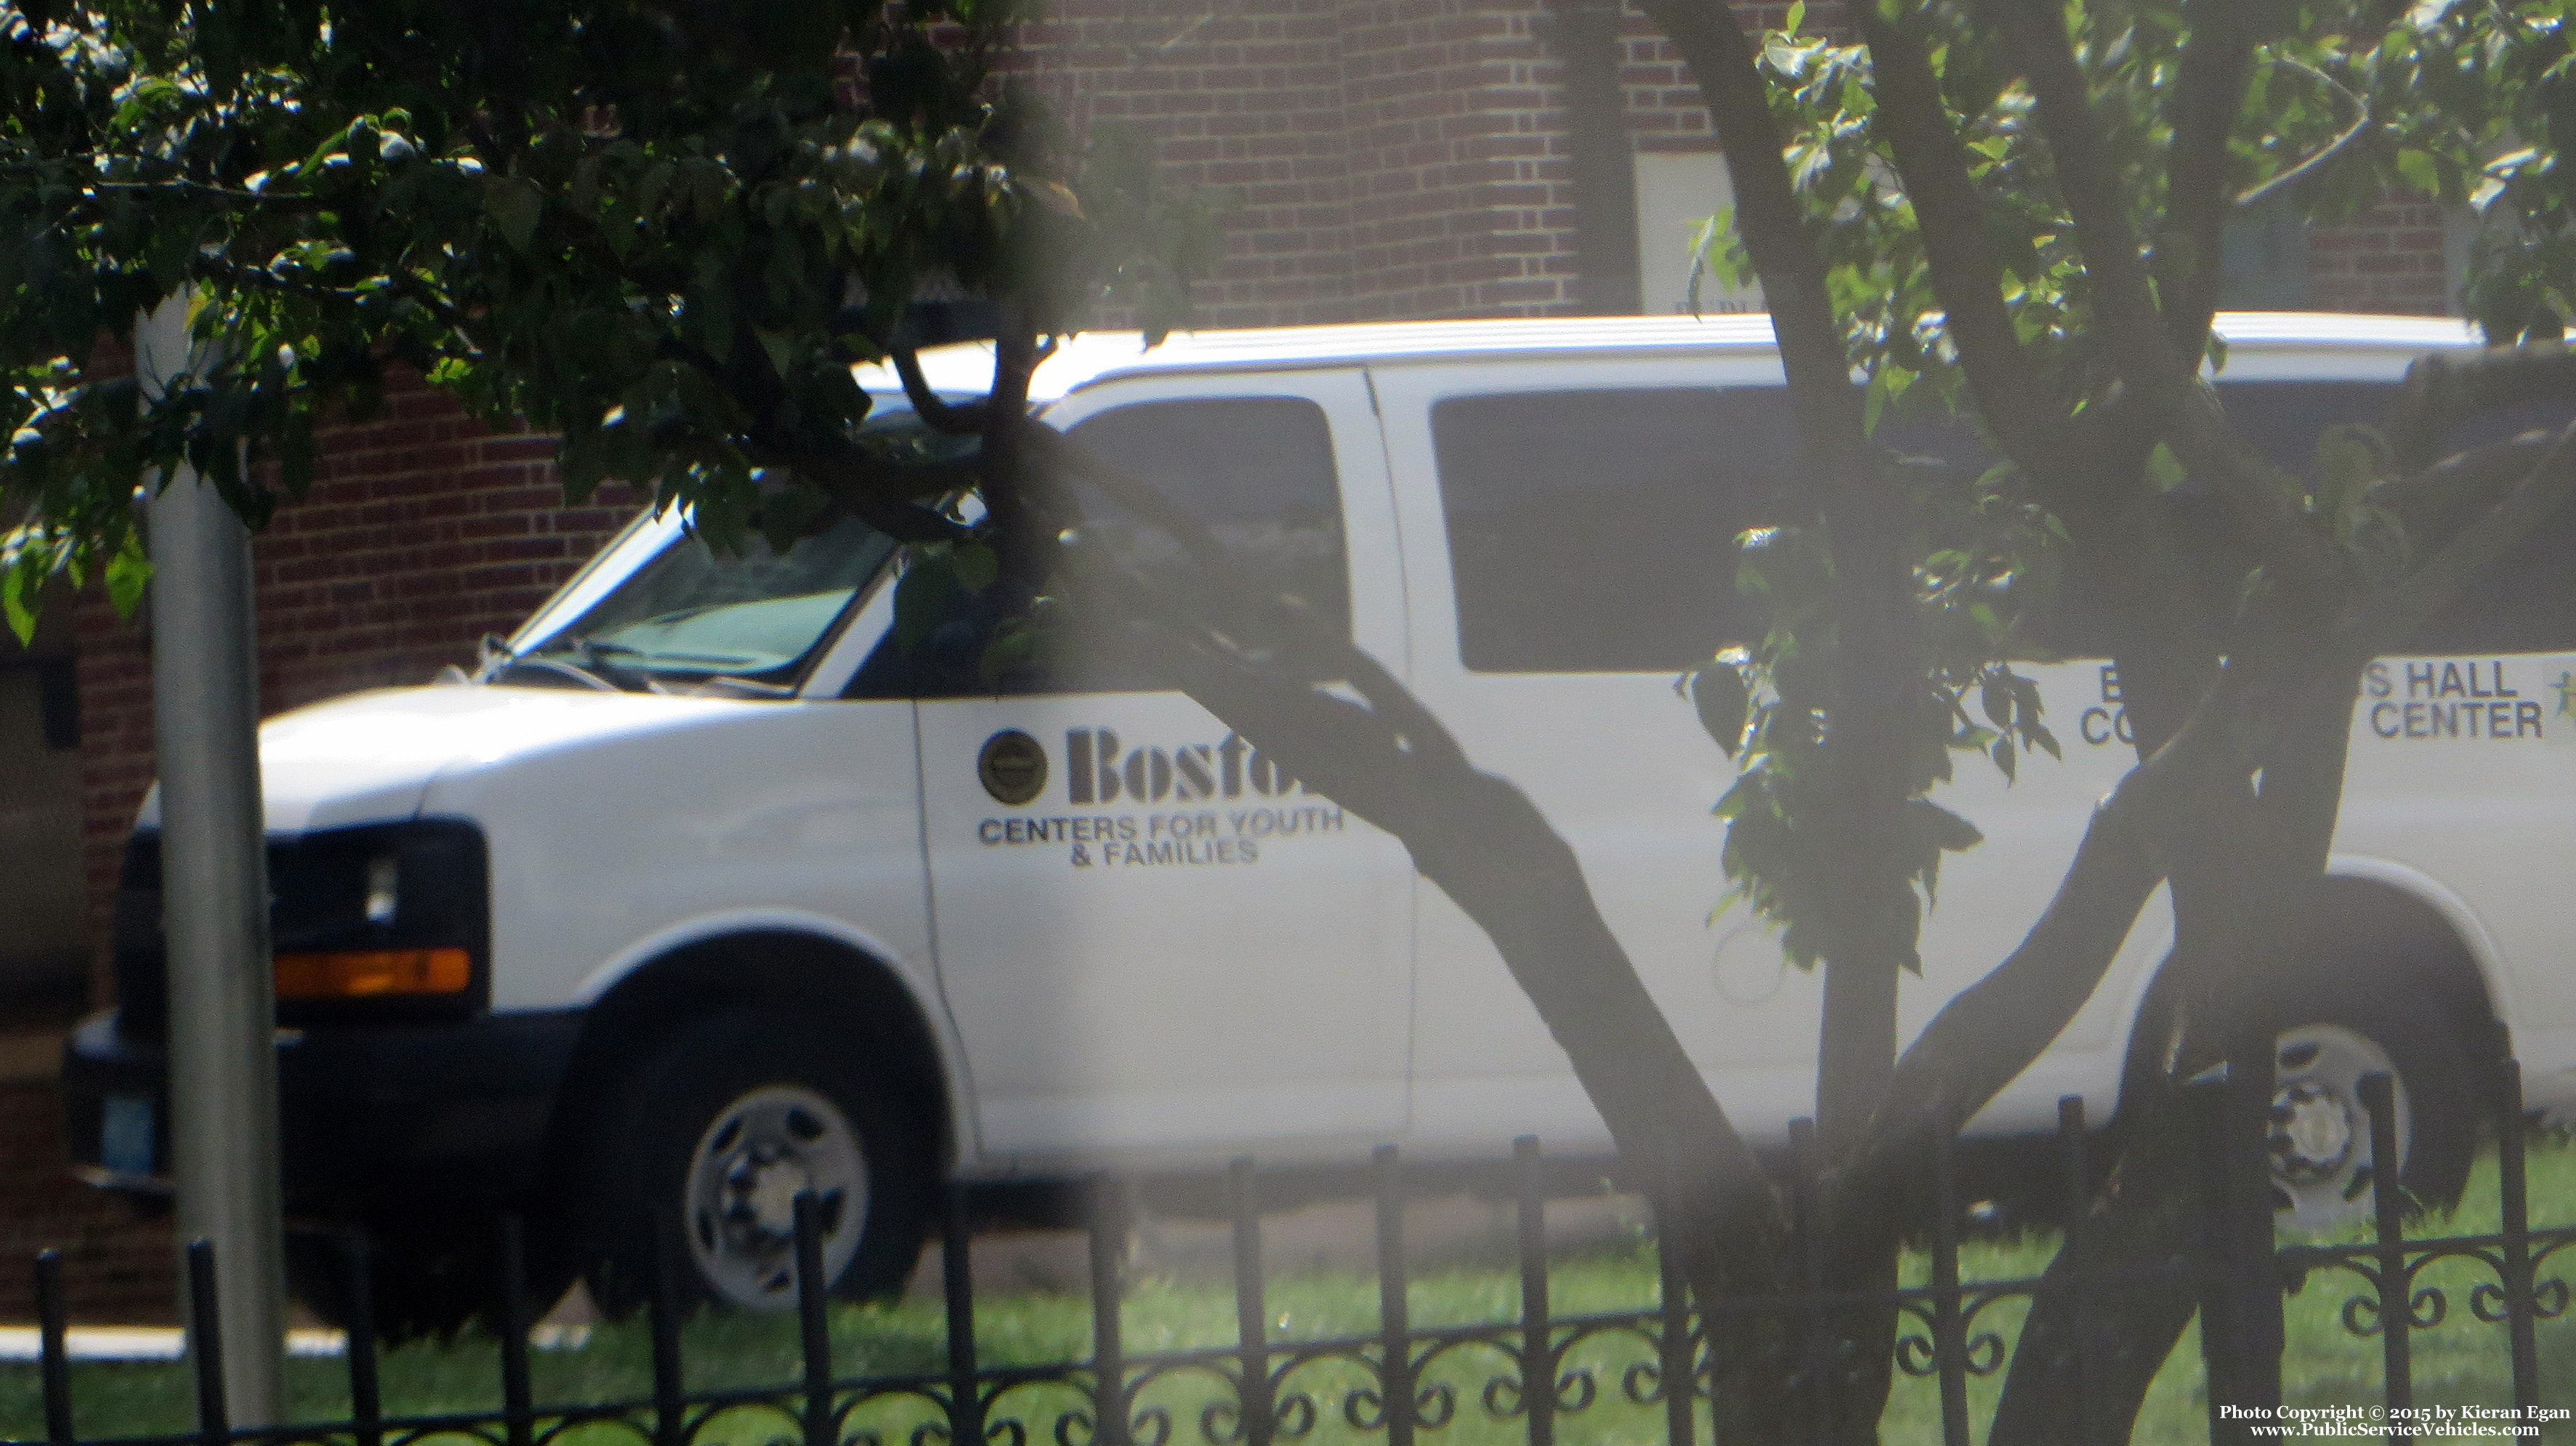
(223, 1012)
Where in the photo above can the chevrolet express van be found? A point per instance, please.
(708, 889)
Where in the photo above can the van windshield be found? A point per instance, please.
(691, 614)
(757, 618)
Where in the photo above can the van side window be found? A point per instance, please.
(2526, 602)
(1257, 470)
(2280, 419)
(1594, 531)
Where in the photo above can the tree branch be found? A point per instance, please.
(878, 491)
(1481, 840)
(2442, 392)
(1990, 1032)
(1720, 56)
(2441, 499)
(2024, 410)
(2167, 402)
(2217, 62)
(941, 414)
(2363, 123)
(2092, 183)
(2250, 489)
(2396, 613)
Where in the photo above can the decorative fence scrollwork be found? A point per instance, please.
(1537, 1372)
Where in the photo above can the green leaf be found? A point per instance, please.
(781, 349)
(2418, 169)
(2047, 741)
(1996, 699)
(1945, 830)
(16, 582)
(1014, 644)
(514, 203)
(1732, 803)
(1797, 15)
(977, 566)
(2164, 469)
(1718, 692)
(2350, 459)
(929, 594)
(128, 574)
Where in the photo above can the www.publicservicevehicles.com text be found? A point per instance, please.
(2424, 1422)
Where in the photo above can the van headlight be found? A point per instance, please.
(384, 919)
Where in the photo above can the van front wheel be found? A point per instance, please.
(718, 1133)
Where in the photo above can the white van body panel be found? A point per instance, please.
(1181, 1015)
(725, 806)
(1230, 968)
(370, 757)
(2472, 823)
(1619, 763)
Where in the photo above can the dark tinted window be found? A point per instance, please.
(1257, 470)
(2526, 602)
(1594, 531)
(2283, 421)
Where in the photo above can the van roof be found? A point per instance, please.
(966, 368)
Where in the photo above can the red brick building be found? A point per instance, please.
(1392, 159)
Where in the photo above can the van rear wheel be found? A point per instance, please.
(717, 1134)
(2327, 1040)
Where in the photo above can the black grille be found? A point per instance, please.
(317, 886)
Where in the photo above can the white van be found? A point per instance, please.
(709, 889)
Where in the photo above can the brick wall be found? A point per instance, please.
(1390, 158)
(2389, 258)
(1664, 113)
(116, 1267)
(1245, 100)
(1461, 204)
(422, 533)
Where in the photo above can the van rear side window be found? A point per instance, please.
(1594, 531)
(2525, 603)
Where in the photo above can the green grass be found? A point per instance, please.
(2460, 1361)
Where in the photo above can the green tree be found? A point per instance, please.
(665, 233)
(2018, 207)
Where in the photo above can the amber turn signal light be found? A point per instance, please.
(373, 973)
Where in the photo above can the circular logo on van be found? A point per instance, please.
(1013, 767)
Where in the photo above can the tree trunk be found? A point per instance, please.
(1486, 845)
(2118, 1294)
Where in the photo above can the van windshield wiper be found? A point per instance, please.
(603, 657)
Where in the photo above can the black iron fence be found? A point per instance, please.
(1534, 1377)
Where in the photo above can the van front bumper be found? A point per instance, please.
(400, 1116)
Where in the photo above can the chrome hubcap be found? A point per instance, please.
(2320, 1131)
(758, 1154)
